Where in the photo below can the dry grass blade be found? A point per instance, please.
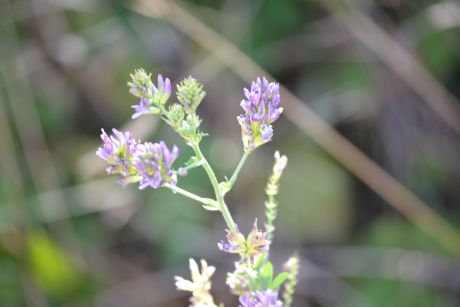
(311, 124)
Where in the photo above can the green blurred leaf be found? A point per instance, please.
(266, 271)
(52, 268)
(279, 280)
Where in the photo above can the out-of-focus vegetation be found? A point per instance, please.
(70, 236)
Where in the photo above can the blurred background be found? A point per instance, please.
(376, 231)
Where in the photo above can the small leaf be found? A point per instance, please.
(279, 280)
(192, 161)
(266, 275)
(267, 270)
(258, 261)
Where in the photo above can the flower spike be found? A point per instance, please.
(261, 106)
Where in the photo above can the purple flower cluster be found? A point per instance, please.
(235, 240)
(147, 163)
(154, 161)
(152, 98)
(261, 106)
(248, 248)
(267, 298)
(118, 151)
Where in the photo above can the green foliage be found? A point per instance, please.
(10, 280)
(440, 52)
(265, 278)
(53, 269)
(276, 19)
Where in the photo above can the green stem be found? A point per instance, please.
(232, 180)
(217, 189)
(203, 200)
(270, 213)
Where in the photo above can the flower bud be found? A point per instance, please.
(190, 93)
(189, 128)
(141, 83)
(175, 115)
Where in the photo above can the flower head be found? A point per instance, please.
(151, 98)
(200, 285)
(261, 106)
(147, 163)
(153, 162)
(118, 150)
(248, 248)
(267, 298)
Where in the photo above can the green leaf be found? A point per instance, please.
(279, 280)
(258, 261)
(266, 275)
(52, 267)
(267, 270)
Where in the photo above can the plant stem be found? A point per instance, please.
(217, 189)
(232, 180)
(270, 213)
(203, 200)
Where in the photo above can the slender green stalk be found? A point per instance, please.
(270, 212)
(203, 200)
(231, 181)
(217, 189)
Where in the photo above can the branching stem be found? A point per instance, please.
(231, 181)
(217, 189)
(203, 200)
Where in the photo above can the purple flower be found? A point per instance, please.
(142, 108)
(248, 248)
(118, 150)
(151, 98)
(147, 163)
(153, 162)
(261, 106)
(267, 298)
(235, 242)
(164, 86)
